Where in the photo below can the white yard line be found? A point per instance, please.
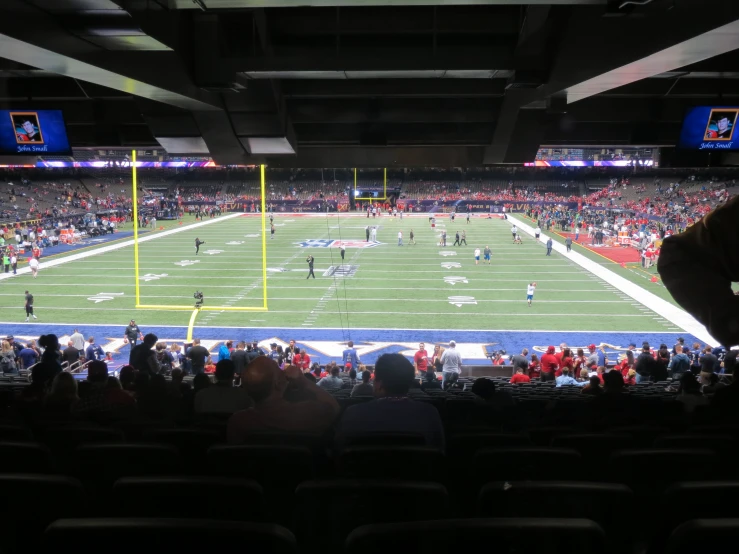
(445, 314)
(112, 247)
(661, 307)
(585, 332)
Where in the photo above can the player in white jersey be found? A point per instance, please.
(33, 263)
(530, 289)
(477, 256)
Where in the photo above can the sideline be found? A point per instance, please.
(661, 307)
(112, 247)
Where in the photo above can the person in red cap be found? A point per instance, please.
(549, 364)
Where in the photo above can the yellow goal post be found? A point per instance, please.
(189, 307)
(371, 198)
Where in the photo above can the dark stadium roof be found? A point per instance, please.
(326, 83)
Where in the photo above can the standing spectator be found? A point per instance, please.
(70, 355)
(198, 355)
(78, 341)
(421, 359)
(93, 351)
(645, 365)
(143, 358)
(224, 352)
(349, 355)
(451, 363)
(708, 363)
(392, 411)
(28, 356)
(549, 365)
(679, 364)
(534, 367)
(239, 358)
(7, 358)
(520, 360)
(132, 334)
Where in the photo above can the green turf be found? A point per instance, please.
(394, 287)
(632, 272)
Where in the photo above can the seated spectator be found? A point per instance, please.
(127, 377)
(593, 387)
(566, 379)
(430, 381)
(333, 381)
(519, 377)
(689, 393)
(154, 402)
(485, 390)
(266, 383)
(392, 411)
(352, 377)
(364, 388)
(200, 382)
(223, 397)
(63, 395)
(584, 376)
(94, 402)
(177, 387)
(630, 378)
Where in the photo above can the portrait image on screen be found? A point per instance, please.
(27, 127)
(720, 124)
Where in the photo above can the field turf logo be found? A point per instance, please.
(331, 243)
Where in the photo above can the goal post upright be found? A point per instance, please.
(134, 198)
(185, 307)
(264, 238)
(370, 198)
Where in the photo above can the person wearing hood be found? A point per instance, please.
(549, 364)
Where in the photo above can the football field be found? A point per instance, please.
(379, 285)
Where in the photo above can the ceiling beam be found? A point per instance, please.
(46, 45)
(234, 4)
(594, 55)
(475, 59)
(393, 88)
(422, 156)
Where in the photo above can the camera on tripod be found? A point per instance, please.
(198, 296)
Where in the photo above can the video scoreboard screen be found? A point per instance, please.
(32, 132)
(710, 128)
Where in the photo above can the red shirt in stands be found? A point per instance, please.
(549, 363)
(520, 378)
(534, 370)
(421, 359)
(305, 361)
